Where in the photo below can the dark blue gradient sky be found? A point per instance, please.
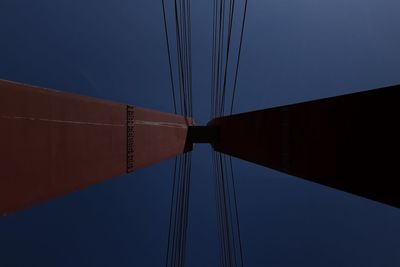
(293, 51)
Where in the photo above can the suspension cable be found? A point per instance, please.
(180, 193)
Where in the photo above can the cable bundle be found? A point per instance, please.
(183, 35)
(227, 212)
(223, 14)
(178, 221)
(231, 252)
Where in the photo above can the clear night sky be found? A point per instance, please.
(293, 51)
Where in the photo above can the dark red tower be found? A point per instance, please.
(53, 143)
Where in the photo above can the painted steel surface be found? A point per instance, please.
(349, 142)
(157, 136)
(53, 143)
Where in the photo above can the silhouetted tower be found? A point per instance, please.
(348, 142)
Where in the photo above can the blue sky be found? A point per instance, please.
(293, 51)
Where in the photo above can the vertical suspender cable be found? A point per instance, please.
(169, 56)
(239, 53)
